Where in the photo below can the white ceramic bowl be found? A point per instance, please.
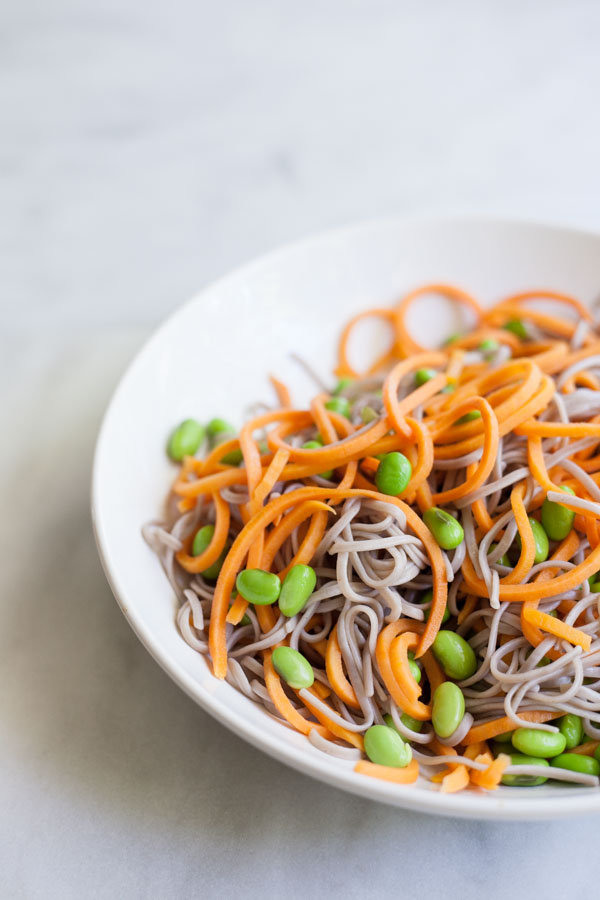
(212, 357)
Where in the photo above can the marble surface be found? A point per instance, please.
(147, 148)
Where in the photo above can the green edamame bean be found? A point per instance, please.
(577, 762)
(422, 376)
(258, 587)
(368, 414)
(427, 598)
(298, 585)
(448, 708)
(488, 346)
(452, 339)
(185, 440)
(504, 738)
(540, 538)
(394, 473)
(541, 541)
(233, 458)
(468, 417)
(534, 742)
(516, 327)
(342, 385)
(517, 759)
(556, 518)
(294, 668)
(504, 560)
(572, 727)
(455, 655)
(447, 531)
(597, 753)
(415, 669)
(339, 405)
(385, 747)
(449, 388)
(201, 541)
(316, 445)
(408, 721)
(218, 427)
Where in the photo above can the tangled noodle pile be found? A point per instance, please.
(405, 572)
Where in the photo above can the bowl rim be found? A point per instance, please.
(462, 804)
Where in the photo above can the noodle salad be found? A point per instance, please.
(405, 572)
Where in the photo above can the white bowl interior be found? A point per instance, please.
(212, 358)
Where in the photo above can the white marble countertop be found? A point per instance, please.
(146, 148)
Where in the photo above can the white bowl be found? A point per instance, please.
(212, 357)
